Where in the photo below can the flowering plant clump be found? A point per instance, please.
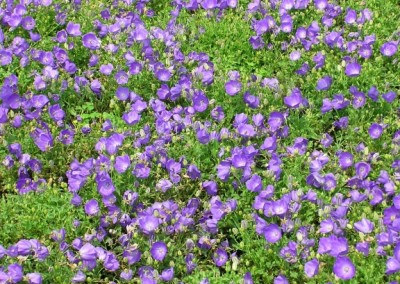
(200, 141)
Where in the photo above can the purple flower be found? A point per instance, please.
(375, 130)
(364, 226)
(329, 182)
(91, 41)
(389, 48)
(272, 233)
(392, 265)
(247, 279)
(345, 160)
(363, 248)
(34, 278)
(159, 250)
(200, 101)
(15, 273)
(311, 268)
(148, 223)
(351, 16)
(88, 252)
(5, 57)
(295, 99)
(233, 87)
(342, 123)
(344, 268)
(210, 187)
(254, 184)
(42, 139)
(79, 277)
(324, 83)
(92, 207)
(111, 262)
(167, 274)
(73, 29)
(362, 169)
(326, 140)
(246, 130)
(220, 257)
(389, 96)
(122, 163)
(281, 280)
(353, 69)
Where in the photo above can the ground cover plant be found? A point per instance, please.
(199, 141)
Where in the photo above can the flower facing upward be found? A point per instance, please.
(344, 268)
(375, 130)
(220, 257)
(233, 87)
(159, 250)
(91, 41)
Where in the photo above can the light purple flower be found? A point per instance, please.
(311, 268)
(88, 252)
(91, 41)
(272, 233)
(389, 48)
(344, 268)
(365, 226)
(353, 69)
(233, 87)
(92, 207)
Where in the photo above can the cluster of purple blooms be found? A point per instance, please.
(138, 228)
(27, 249)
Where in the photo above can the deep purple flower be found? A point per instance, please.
(111, 262)
(167, 274)
(363, 247)
(295, 99)
(220, 257)
(375, 130)
(344, 268)
(329, 182)
(200, 101)
(342, 123)
(351, 16)
(389, 96)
